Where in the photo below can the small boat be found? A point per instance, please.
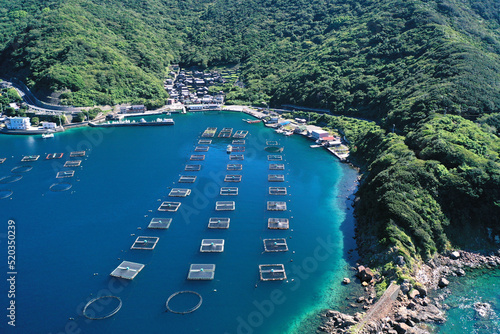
(47, 135)
(143, 120)
(279, 130)
(229, 149)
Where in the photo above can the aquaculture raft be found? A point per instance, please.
(147, 243)
(274, 157)
(232, 178)
(276, 206)
(238, 149)
(63, 174)
(77, 154)
(169, 206)
(2, 160)
(275, 245)
(209, 132)
(54, 156)
(277, 190)
(127, 270)
(187, 179)
(226, 132)
(272, 272)
(212, 246)
(271, 142)
(240, 134)
(179, 192)
(236, 157)
(197, 157)
(229, 191)
(276, 178)
(30, 158)
(193, 168)
(276, 166)
(278, 224)
(221, 223)
(205, 141)
(72, 163)
(234, 167)
(201, 272)
(224, 206)
(238, 142)
(201, 148)
(160, 223)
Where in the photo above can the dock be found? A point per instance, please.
(126, 123)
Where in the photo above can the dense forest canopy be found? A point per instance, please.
(429, 69)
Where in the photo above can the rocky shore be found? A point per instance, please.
(412, 309)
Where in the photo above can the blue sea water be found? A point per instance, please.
(67, 243)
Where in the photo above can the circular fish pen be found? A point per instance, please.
(21, 169)
(60, 186)
(5, 193)
(188, 310)
(101, 301)
(10, 179)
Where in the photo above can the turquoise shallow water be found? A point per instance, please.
(68, 242)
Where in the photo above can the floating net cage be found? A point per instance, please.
(234, 167)
(276, 206)
(197, 157)
(212, 246)
(77, 154)
(277, 190)
(274, 149)
(209, 132)
(272, 272)
(229, 191)
(54, 156)
(277, 166)
(65, 173)
(187, 179)
(226, 132)
(232, 178)
(238, 149)
(160, 223)
(60, 186)
(10, 179)
(238, 142)
(201, 148)
(271, 142)
(5, 193)
(102, 307)
(236, 157)
(201, 272)
(275, 245)
(72, 163)
(147, 243)
(2, 160)
(222, 223)
(278, 224)
(21, 169)
(276, 178)
(169, 206)
(240, 134)
(127, 270)
(205, 141)
(224, 206)
(30, 158)
(193, 168)
(179, 192)
(275, 157)
(172, 305)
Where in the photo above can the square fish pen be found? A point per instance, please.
(201, 148)
(232, 178)
(169, 206)
(275, 245)
(222, 223)
(160, 223)
(238, 149)
(277, 166)
(147, 243)
(234, 167)
(30, 158)
(272, 272)
(274, 157)
(54, 156)
(236, 157)
(238, 142)
(225, 206)
(201, 272)
(127, 270)
(72, 163)
(229, 191)
(187, 179)
(240, 134)
(77, 154)
(65, 173)
(277, 190)
(212, 246)
(209, 132)
(205, 141)
(193, 168)
(197, 157)
(179, 192)
(271, 143)
(276, 206)
(226, 132)
(276, 178)
(278, 224)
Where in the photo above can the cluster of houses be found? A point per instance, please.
(192, 89)
(24, 123)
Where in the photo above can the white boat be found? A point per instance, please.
(229, 149)
(47, 135)
(143, 120)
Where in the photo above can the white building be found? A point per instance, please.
(14, 106)
(318, 134)
(18, 123)
(49, 125)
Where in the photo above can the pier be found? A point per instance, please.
(126, 123)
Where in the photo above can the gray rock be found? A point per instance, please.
(443, 282)
(422, 290)
(483, 310)
(401, 328)
(400, 261)
(460, 272)
(405, 287)
(346, 280)
(413, 294)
